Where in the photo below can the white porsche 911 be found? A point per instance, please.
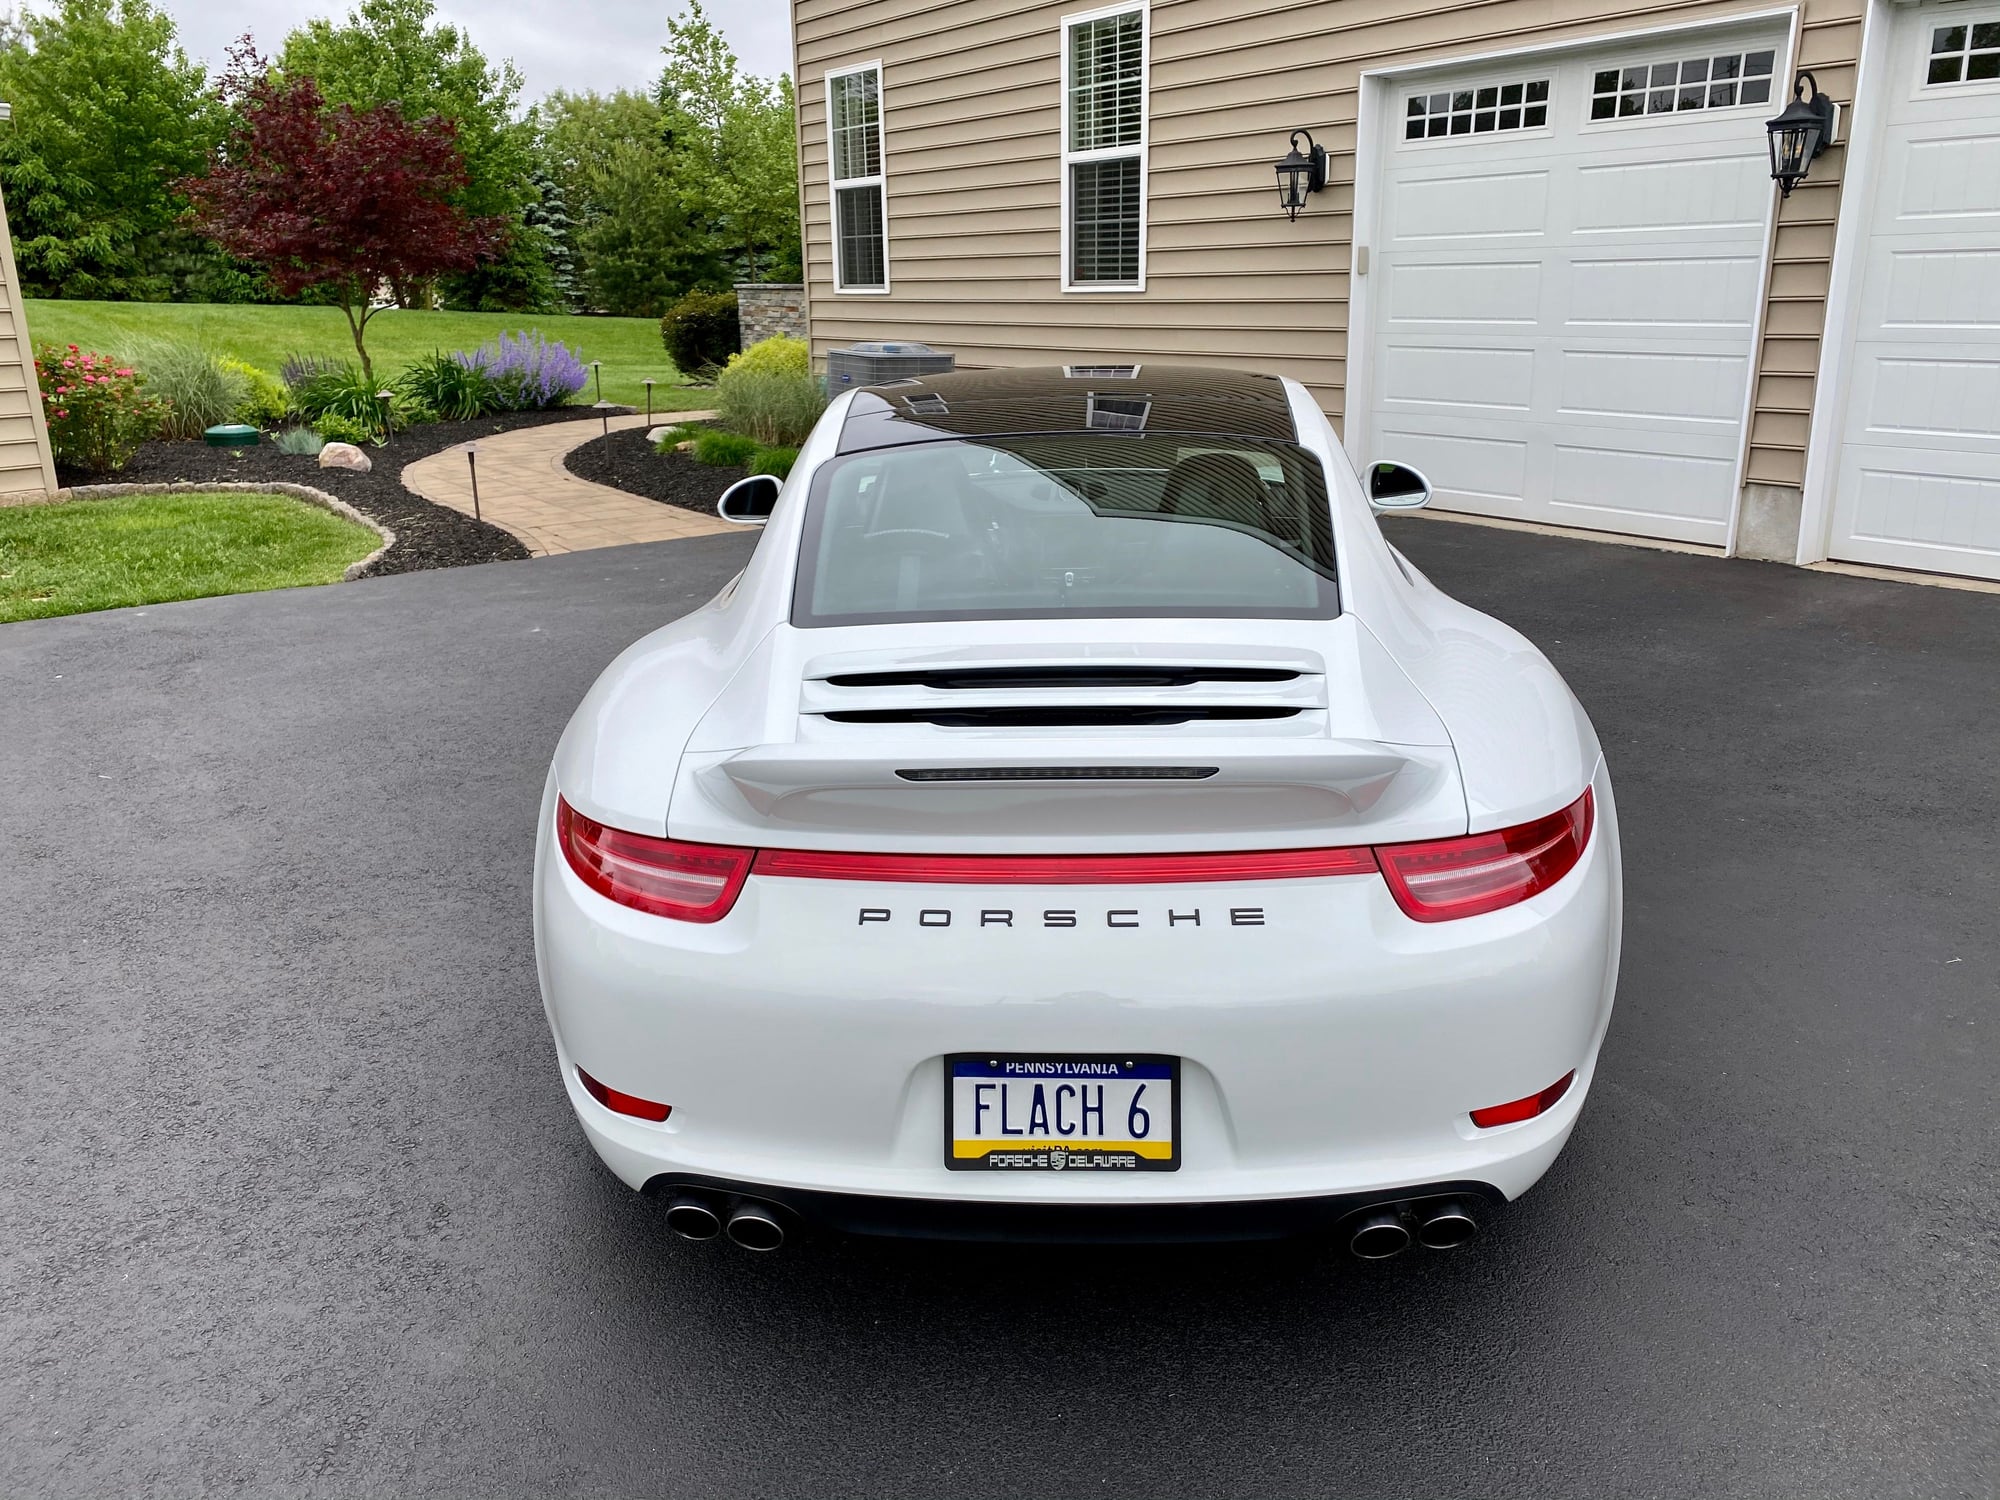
(1077, 822)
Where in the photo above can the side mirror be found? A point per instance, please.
(749, 502)
(1394, 486)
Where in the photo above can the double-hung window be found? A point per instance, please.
(1104, 150)
(854, 154)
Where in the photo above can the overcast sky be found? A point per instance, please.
(557, 44)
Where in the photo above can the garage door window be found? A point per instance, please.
(1965, 54)
(1664, 88)
(1477, 111)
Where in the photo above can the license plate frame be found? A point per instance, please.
(1050, 1151)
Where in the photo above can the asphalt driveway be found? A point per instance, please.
(291, 1202)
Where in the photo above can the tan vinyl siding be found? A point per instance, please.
(26, 470)
(971, 105)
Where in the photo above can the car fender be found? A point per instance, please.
(1525, 745)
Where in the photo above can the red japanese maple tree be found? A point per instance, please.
(344, 199)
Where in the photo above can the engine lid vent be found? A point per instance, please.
(1060, 717)
(961, 678)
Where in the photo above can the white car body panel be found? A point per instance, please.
(1333, 1048)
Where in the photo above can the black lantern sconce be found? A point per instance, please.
(1300, 173)
(1803, 129)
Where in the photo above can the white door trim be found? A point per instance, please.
(1757, 319)
(1834, 374)
(1371, 161)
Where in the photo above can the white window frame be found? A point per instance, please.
(1924, 88)
(1521, 75)
(880, 181)
(1108, 153)
(1653, 56)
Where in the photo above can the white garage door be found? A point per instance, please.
(1565, 293)
(1919, 472)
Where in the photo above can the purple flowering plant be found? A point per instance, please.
(528, 371)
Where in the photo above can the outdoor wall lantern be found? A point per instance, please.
(1803, 129)
(1300, 173)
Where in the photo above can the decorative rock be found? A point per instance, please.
(344, 456)
(658, 432)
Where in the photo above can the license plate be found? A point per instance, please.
(1055, 1112)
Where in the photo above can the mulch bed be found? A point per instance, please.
(626, 461)
(427, 535)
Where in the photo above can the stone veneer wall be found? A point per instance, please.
(769, 308)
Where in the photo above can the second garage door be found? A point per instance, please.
(1568, 262)
(1919, 465)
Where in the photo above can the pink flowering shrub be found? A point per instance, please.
(98, 413)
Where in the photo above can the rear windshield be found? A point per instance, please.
(1034, 527)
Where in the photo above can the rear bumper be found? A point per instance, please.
(1331, 1050)
(1054, 1223)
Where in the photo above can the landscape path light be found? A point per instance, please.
(597, 372)
(604, 409)
(472, 468)
(388, 426)
(649, 402)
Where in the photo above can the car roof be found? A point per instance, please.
(1127, 398)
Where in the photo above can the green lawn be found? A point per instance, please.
(77, 555)
(629, 347)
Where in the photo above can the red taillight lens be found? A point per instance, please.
(1066, 869)
(1445, 879)
(1525, 1109)
(667, 877)
(623, 1103)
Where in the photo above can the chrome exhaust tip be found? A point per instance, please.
(1447, 1225)
(1379, 1236)
(692, 1219)
(754, 1229)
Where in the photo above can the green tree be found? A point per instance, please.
(732, 146)
(549, 217)
(109, 114)
(638, 246)
(759, 196)
(394, 51)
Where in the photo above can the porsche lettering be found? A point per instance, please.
(1114, 917)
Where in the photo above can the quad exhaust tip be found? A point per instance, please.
(1447, 1225)
(1379, 1236)
(754, 1229)
(698, 1216)
(1440, 1224)
(692, 1219)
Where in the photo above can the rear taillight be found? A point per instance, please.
(667, 877)
(1066, 869)
(1445, 879)
(623, 1103)
(1524, 1109)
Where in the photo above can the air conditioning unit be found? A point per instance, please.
(879, 363)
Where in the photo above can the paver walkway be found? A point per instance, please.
(524, 489)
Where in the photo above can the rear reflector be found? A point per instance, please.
(622, 1103)
(1066, 869)
(667, 877)
(1446, 879)
(1524, 1109)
